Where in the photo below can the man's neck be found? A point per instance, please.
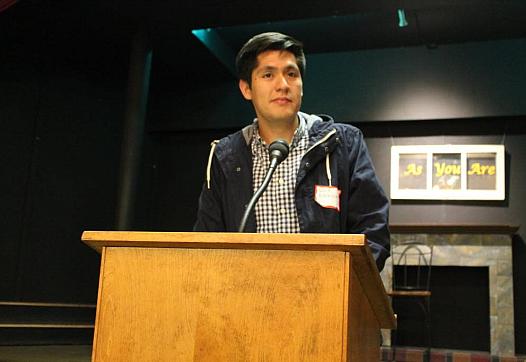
(271, 131)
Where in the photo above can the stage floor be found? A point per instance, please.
(82, 353)
(74, 353)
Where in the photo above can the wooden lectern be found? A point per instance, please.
(171, 296)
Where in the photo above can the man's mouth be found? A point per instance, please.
(281, 100)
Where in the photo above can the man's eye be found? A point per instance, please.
(267, 75)
(293, 74)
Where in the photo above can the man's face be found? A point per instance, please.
(277, 87)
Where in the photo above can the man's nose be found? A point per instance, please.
(282, 83)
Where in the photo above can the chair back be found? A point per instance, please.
(412, 263)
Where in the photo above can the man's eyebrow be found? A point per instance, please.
(267, 68)
(273, 68)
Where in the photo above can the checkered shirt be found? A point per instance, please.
(276, 210)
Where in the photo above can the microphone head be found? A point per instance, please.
(279, 149)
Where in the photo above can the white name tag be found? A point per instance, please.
(327, 196)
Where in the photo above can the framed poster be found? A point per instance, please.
(448, 172)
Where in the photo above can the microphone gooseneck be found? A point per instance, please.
(278, 151)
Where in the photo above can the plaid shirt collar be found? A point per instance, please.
(298, 134)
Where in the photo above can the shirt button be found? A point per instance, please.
(282, 210)
(281, 181)
(307, 164)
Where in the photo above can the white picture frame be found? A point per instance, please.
(448, 172)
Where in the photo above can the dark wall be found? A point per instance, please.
(60, 122)
(508, 212)
(470, 80)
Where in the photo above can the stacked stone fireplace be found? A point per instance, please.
(492, 250)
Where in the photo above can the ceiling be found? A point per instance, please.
(323, 26)
(330, 25)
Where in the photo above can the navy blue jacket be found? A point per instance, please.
(364, 207)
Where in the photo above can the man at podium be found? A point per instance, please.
(326, 183)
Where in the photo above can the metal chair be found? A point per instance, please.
(411, 276)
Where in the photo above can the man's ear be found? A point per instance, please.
(244, 87)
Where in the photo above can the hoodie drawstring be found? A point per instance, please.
(328, 167)
(209, 166)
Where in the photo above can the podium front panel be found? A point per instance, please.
(173, 304)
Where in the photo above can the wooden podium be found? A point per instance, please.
(171, 296)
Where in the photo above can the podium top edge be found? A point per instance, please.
(211, 240)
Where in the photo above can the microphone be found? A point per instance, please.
(278, 151)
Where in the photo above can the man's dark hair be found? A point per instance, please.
(246, 59)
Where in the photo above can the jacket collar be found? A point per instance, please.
(316, 125)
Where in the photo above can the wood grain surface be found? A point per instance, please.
(205, 240)
(222, 305)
